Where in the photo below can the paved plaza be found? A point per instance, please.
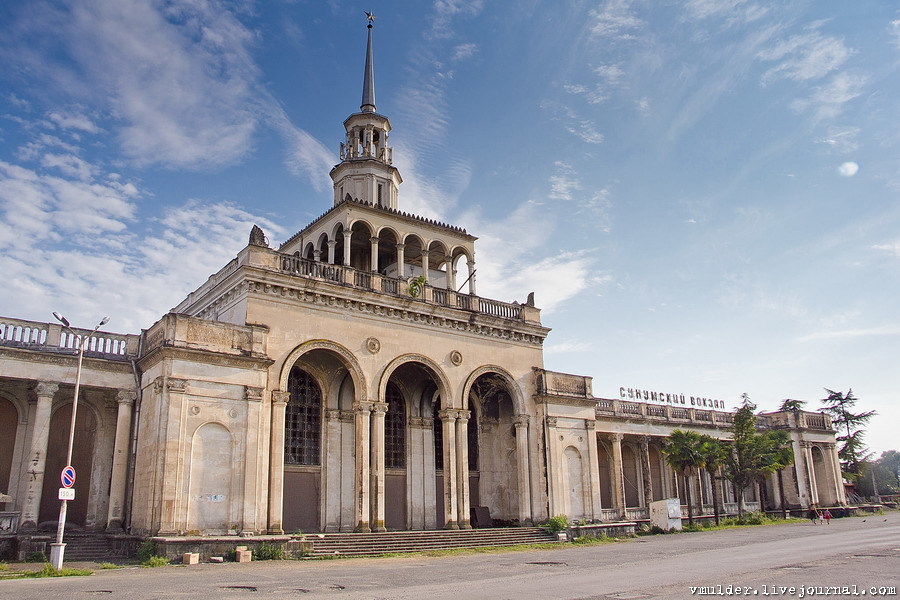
(859, 554)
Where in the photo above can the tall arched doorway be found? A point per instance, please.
(9, 417)
(497, 483)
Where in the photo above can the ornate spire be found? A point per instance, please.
(368, 94)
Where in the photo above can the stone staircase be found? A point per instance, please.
(369, 544)
(91, 548)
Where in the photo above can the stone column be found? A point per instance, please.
(332, 470)
(276, 463)
(429, 475)
(363, 412)
(374, 252)
(348, 470)
(462, 468)
(645, 470)
(401, 258)
(425, 267)
(451, 282)
(317, 255)
(347, 235)
(378, 411)
(331, 245)
(554, 470)
(448, 426)
(471, 265)
(618, 474)
(115, 518)
(594, 469)
(521, 424)
(37, 455)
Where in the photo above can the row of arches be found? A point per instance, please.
(389, 253)
(410, 461)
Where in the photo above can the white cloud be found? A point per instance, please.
(841, 140)
(886, 330)
(464, 51)
(586, 130)
(894, 28)
(827, 101)
(568, 347)
(733, 11)
(73, 121)
(804, 57)
(615, 20)
(848, 169)
(562, 186)
(892, 248)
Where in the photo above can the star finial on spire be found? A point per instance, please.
(370, 17)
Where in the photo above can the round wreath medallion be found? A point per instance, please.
(373, 345)
(456, 357)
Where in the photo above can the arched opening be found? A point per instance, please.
(438, 265)
(323, 248)
(361, 246)
(339, 244)
(302, 452)
(461, 270)
(496, 482)
(82, 460)
(412, 256)
(9, 417)
(413, 449)
(387, 252)
(309, 252)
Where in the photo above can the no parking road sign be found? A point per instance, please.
(67, 477)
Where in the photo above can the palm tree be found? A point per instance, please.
(683, 452)
(712, 453)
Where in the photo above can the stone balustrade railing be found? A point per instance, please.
(365, 280)
(625, 408)
(43, 336)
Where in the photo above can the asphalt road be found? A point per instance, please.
(762, 561)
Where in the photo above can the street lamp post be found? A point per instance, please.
(57, 550)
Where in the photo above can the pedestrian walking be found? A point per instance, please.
(827, 516)
(812, 515)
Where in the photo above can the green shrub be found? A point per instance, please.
(108, 565)
(146, 551)
(556, 524)
(267, 551)
(49, 571)
(155, 561)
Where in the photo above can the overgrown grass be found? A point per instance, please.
(556, 524)
(268, 552)
(48, 571)
(155, 561)
(109, 565)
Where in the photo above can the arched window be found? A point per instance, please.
(303, 420)
(395, 429)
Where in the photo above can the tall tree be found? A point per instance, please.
(789, 404)
(712, 455)
(849, 424)
(684, 453)
(753, 454)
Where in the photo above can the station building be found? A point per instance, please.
(350, 379)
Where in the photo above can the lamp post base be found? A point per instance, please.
(57, 551)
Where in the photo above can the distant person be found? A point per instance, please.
(813, 515)
(827, 516)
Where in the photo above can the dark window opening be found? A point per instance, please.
(303, 420)
(395, 429)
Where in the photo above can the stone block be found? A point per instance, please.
(190, 558)
(243, 556)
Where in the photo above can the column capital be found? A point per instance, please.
(333, 414)
(521, 420)
(363, 406)
(126, 397)
(551, 421)
(279, 397)
(374, 239)
(174, 384)
(447, 414)
(805, 445)
(463, 415)
(45, 388)
(332, 243)
(400, 246)
(616, 437)
(253, 394)
(590, 425)
(379, 408)
(645, 442)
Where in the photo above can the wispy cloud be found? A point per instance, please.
(887, 330)
(827, 101)
(568, 347)
(731, 11)
(615, 20)
(892, 248)
(810, 55)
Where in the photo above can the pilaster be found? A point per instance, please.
(37, 455)
(125, 406)
(522, 423)
(448, 424)
(276, 463)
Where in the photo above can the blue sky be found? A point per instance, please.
(703, 194)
